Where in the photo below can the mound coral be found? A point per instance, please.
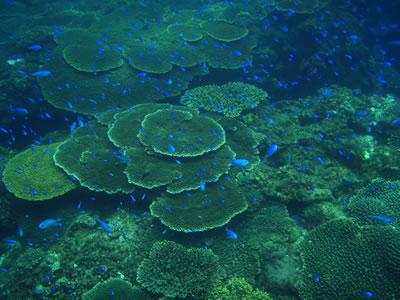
(377, 203)
(357, 259)
(114, 288)
(175, 271)
(30, 258)
(238, 288)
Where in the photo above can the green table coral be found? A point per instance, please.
(122, 87)
(92, 58)
(188, 32)
(163, 146)
(200, 210)
(230, 56)
(148, 58)
(239, 137)
(224, 31)
(91, 158)
(180, 133)
(32, 175)
(175, 271)
(115, 288)
(180, 174)
(230, 99)
(342, 260)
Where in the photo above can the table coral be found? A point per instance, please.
(200, 210)
(180, 133)
(32, 175)
(171, 147)
(224, 31)
(91, 58)
(89, 157)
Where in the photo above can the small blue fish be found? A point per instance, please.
(271, 150)
(321, 160)
(35, 47)
(239, 162)
(171, 148)
(72, 128)
(316, 278)
(383, 219)
(367, 295)
(231, 234)
(202, 185)
(353, 37)
(122, 158)
(236, 53)
(105, 226)
(49, 223)
(42, 73)
(20, 232)
(360, 113)
(19, 110)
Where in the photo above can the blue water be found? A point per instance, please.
(199, 149)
